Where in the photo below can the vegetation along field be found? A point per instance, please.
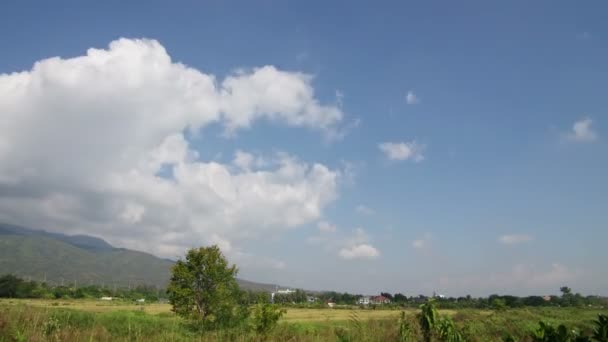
(78, 320)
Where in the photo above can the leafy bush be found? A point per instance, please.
(600, 332)
(447, 331)
(266, 317)
(547, 333)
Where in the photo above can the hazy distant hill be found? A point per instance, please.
(82, 259)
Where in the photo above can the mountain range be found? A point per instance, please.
(82, 260)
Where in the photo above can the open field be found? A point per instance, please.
(76, 320)
(293, 315)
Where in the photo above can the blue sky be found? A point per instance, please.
(496, 181)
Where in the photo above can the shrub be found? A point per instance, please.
(266, 318)
(600, 332)
(447, 331)
(427, 318)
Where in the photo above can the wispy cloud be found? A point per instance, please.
(582, 131)
(422, 243)
(365, 210)
(523, 277)
(514, 239)
(326, 227)
(411, 98)
(400, 151)
(584, 36)
(339, 98)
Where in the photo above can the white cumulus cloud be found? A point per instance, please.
(357, 246)
(400, 151)
(98, 144)
(582, 131)
(362, 251)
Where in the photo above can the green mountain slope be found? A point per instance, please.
(58, 262)
(83, 260)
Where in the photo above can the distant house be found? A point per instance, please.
(106, 298)
(311, 299)
(141, 300)
(331, 304)
(547, 298)
(379, 300)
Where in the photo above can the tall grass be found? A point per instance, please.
(27, 323)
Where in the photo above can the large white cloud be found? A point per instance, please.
(96, 144)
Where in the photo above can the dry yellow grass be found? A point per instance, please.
(90, 305)
(321, 315)
(292, 315)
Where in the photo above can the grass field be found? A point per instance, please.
(298, 315)
(76, 320)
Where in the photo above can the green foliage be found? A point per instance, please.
(406, 333)
(299, 296)
(266, 317)
(547, 333)
(447, 331)
(427, 319)
(600, 331)
(51, 326)
(499, 304)
(9, 286)
(21, 322)
(60, 262)
(203, 288)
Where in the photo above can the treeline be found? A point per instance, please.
(495, 301)
(12, 286)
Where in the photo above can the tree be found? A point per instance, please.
(565, 290)
(203, 287)
(9, 286)
(566, 295)
(387, 295)
(400, 298)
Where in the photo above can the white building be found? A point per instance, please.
(364, 300)
(286, 291)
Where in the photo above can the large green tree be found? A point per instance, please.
(204, 287)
